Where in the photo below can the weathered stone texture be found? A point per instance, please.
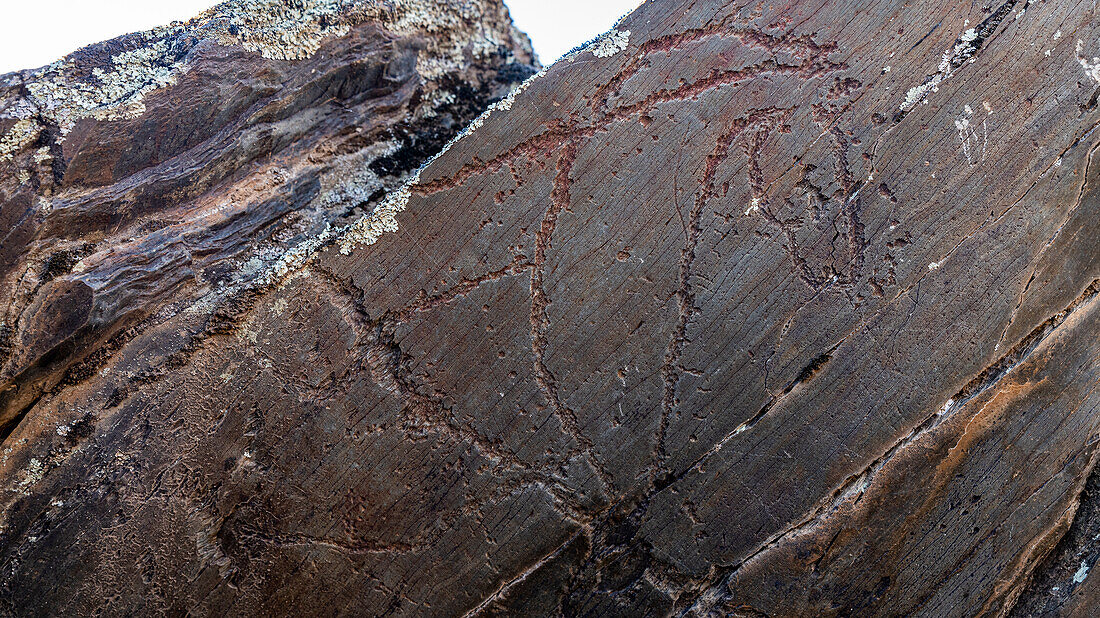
(174, 165)
(746, 308)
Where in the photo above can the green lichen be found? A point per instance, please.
(23, 133)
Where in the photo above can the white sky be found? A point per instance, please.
(557, 26)
(26, 42)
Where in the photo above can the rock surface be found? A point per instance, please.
(167, 168)
(742, 309)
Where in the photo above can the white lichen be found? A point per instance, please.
(350, 180)
(296, 257)
(280, 31)
(369, 228)
(22, 134)
(33, 473)
(754, 206)
(962, 51)
(610, 43)
(295, 30)
(1092, 68)
(1082, 573)
(436, 99)
(277, 29)
(116, 93)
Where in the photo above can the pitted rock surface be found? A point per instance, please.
(783, 309)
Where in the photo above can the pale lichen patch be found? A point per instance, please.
(610, 43)
(296, 257)
(295, 30)
(350, 180)
(248, 335)
(282, 31)
(23, 133)
(962, 51)
(369, 228)
(1082, 573)
(33, 473)
(277, 29)
(436, 99)
(1092, 68)
(116, 93)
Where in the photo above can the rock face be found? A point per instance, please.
(749, 310)
(167, 168)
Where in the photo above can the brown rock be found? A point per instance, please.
(169, 166)
(750, 311)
